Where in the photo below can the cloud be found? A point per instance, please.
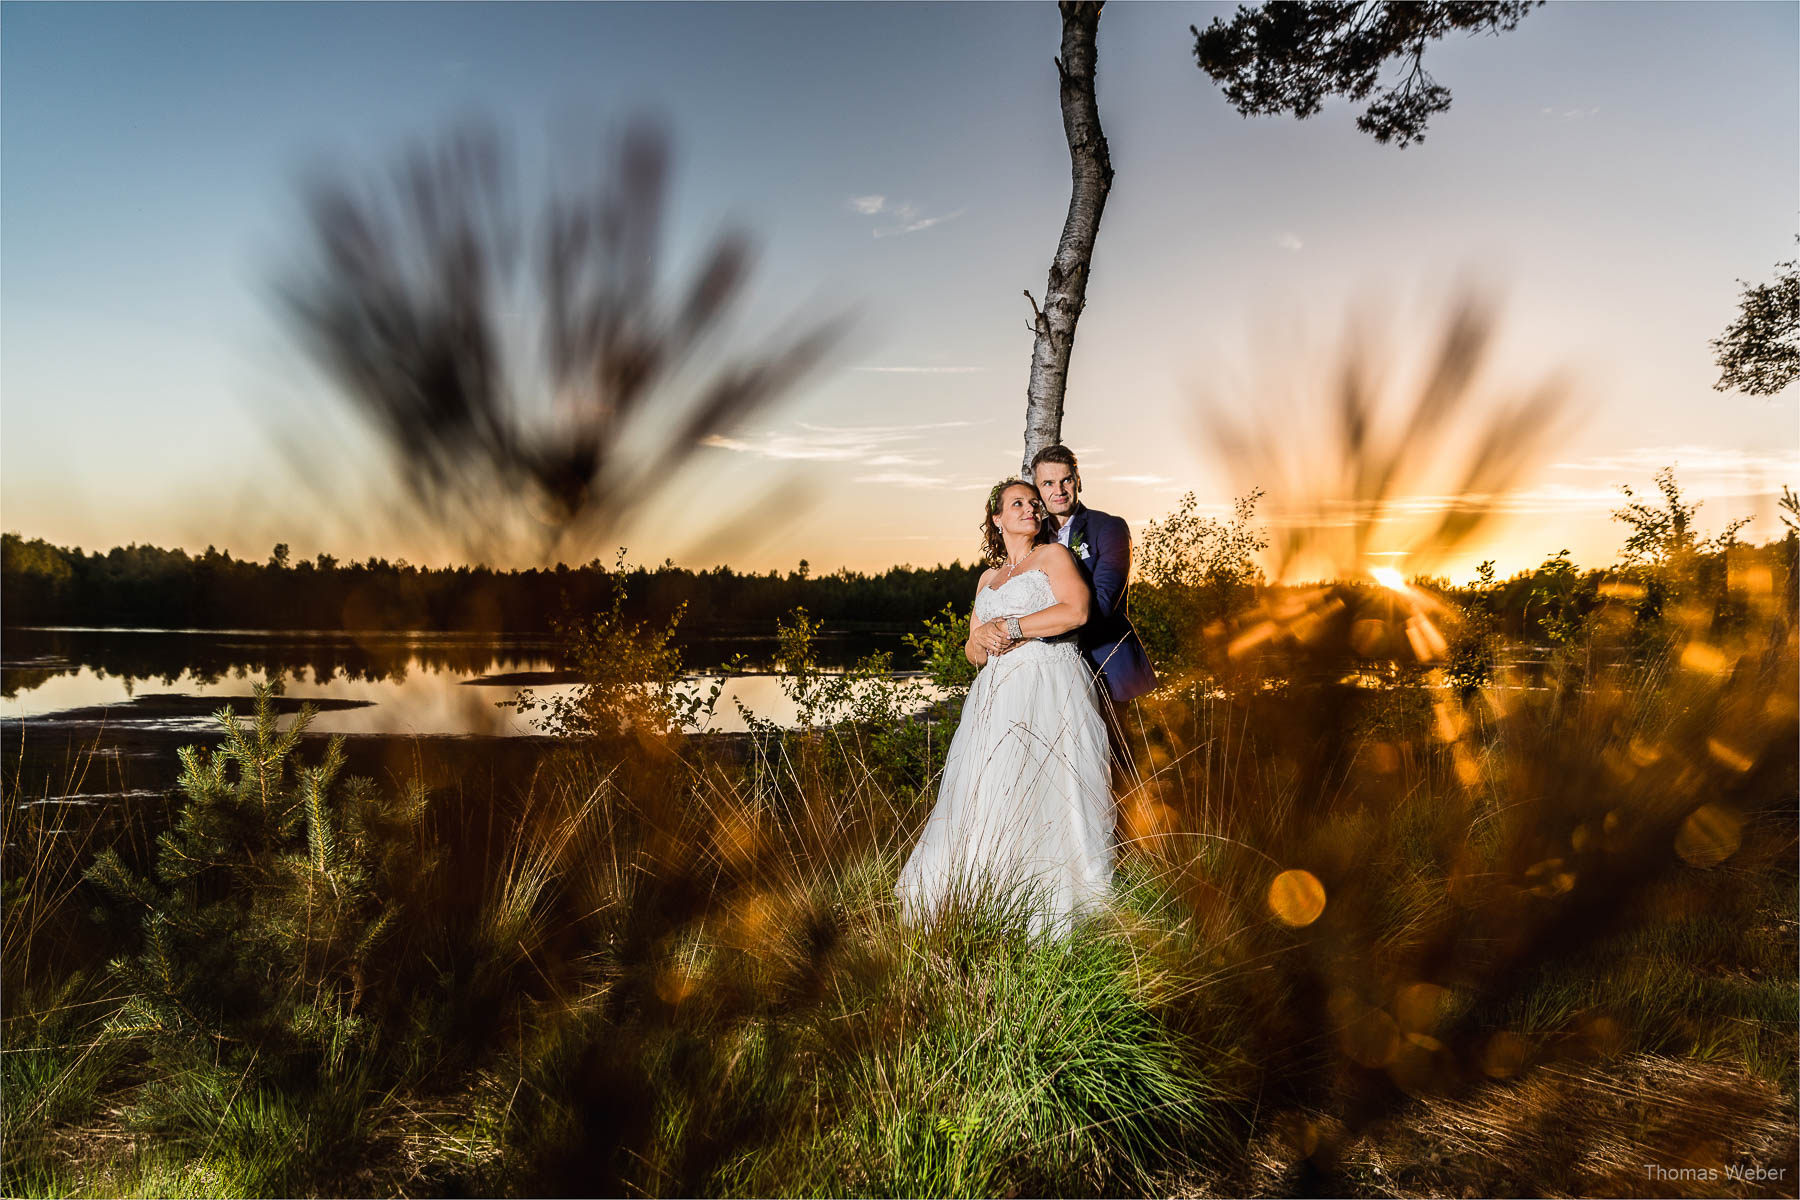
(1550, 498)
(870, 445)
(1143, 479)
(1545, 499)
(910, 224)
(1568, 114)
(887, 430)
(902, 479)
(922, 370)
(1698, 465)
(1289, 241)
(905, 218)
(1592, 484)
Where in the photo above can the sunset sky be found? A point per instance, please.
(1607, 171)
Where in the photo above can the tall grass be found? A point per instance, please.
(1354, 926)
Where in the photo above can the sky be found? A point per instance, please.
(1606, 174)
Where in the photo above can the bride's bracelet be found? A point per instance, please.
(1012, 629)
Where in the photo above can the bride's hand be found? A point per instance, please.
(991, 636)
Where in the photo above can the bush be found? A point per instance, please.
(631, 677)
(1190, 572)
(864, 725)
(257, 937)
(655, 969)
(1474, 646)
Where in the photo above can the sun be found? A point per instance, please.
(1388, 577)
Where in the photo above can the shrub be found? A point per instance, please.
(256, 933)
(1191, 571)
(864, 723)
(630, 672)
(1474, 644)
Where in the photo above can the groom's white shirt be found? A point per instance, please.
(1062, 535)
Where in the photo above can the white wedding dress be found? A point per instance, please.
(1024, 814)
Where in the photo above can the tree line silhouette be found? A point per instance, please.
(147, 586)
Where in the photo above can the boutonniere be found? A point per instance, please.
(1078, 545)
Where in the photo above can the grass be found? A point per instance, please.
(1048, 1068)
(1353, 929)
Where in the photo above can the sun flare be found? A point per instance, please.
(1388, 577)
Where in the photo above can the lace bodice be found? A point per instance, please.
(1023, 594)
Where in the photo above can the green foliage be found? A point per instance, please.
(1048, 1071)
(631, 677)
(1191, 571)
(245, 1137)
(258, 927)
(941, 648)
(1556, 600)
(1665, 555)
(1759, 352)
(1475, 644)
(653, 972)
(865, 720)
(964, 1061)
(1664, 537)
(1678, 986)
(56, 1071)
(1289, 58)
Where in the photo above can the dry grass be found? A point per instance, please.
(1366, 941)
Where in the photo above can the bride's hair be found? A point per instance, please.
(993, 545)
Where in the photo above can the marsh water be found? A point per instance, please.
(92, 714)
(99, 712)
(409, 683)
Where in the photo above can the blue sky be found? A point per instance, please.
(1610, 170)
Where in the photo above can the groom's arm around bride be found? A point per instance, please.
(1101, 544)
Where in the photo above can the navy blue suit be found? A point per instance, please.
(1107, 639)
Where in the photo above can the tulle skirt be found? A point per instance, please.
(1024, 815)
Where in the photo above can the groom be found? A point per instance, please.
(1101, 543)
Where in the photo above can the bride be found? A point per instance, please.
(1024, 813)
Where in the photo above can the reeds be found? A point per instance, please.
(1367, 936)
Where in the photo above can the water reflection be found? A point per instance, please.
(405, 684)
(33, 658)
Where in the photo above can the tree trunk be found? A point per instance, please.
(1090, 167)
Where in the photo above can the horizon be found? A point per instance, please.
(814, 570)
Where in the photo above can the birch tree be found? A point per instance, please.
(1268, 59)
(1090, 168)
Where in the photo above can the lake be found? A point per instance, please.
(384, 683)
(91, 716)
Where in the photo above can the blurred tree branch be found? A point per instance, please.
(1357, 489)
(411, 300)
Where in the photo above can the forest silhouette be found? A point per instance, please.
(149, 587)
